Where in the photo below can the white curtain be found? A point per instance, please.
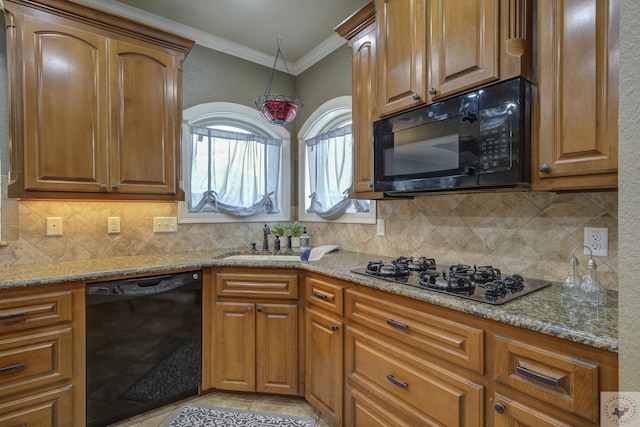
(233, 173)
(330, 160)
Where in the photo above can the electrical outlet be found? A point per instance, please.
(54, 226)
(598, 240)
(165, 224)
(113, 224)
(380, 227)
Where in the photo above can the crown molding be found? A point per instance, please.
(219, 44)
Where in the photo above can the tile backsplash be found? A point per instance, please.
(531, 233)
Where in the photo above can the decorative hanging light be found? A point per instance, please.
(279, 110)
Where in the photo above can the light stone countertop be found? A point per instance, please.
(543, 311)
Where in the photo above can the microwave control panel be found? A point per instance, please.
(495, 148)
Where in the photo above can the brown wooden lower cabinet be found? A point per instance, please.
(427, 390)
(323, 367)
(363, 410)
(42, 360)
(256, 347)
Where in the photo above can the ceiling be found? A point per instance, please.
(247, 28)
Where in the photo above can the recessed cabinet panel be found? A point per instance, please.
(66, 108)
(235, 346)
(143, 143)
(578, 94)
(559, 379)
(463, 45)
(402, 42)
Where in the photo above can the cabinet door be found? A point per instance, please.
(463, 45)
(401, 55)
(578, 94)
(277, 348)
(363, 49)
(65, 105)
(235, 353)
(143, 135)
(323, 368)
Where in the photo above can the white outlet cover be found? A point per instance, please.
(597, 239)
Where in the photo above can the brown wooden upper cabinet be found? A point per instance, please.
(96, 104)
(431, 49)
(577, 131)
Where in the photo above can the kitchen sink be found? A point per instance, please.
(261, 257)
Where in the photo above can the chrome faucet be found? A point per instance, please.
(265, 241)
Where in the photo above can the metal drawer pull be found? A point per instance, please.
(399, 383)
(13, 315)
(538, 378)
(323, 297)
(13, 368)
(397, 325)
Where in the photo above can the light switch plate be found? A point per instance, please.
(54, 226)
(165, 224)
(113, 224)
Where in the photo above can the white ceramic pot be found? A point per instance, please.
(295, 243)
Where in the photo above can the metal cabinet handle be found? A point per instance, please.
(397, 382)
(17, 315)
(13, 368)
(371, 185)
(249, 309)
(499, 407)
(334, 328)
(397, 325)
(416, 97)
(103, 186)
(322, 296)
(432, 91)
(114, 187)
(537, 377)
(544, 168)
(259, 309)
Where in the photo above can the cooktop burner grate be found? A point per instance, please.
(484, 283)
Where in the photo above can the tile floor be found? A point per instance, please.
(275, 404)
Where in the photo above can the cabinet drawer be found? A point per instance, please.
(34, 311)
(34, 360)
(325, 294)
(514, 413)
(451, 341)
(362, 409)
(53, 408)
(555, 378)
(443, 396)
(257, 285)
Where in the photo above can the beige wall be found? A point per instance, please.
(629, 197)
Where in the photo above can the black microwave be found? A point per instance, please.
(478, 140)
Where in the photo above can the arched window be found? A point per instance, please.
(234, 166)
(325, 144)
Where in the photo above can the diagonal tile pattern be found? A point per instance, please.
(532, 233)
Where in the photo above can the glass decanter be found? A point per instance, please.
(571, 285)
(591, 291)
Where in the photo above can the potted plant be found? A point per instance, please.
(295, 230)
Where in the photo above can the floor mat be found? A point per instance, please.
(200, 416)
(179, 371)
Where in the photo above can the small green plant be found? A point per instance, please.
(280, 229)
(295, 229)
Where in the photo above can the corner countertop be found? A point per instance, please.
(543, 311)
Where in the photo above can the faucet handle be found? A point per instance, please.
(253, 247)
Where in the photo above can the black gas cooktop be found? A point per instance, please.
(479, 283)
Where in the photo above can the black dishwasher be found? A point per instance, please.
(143, 344)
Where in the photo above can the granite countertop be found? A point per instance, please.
(543, 311)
